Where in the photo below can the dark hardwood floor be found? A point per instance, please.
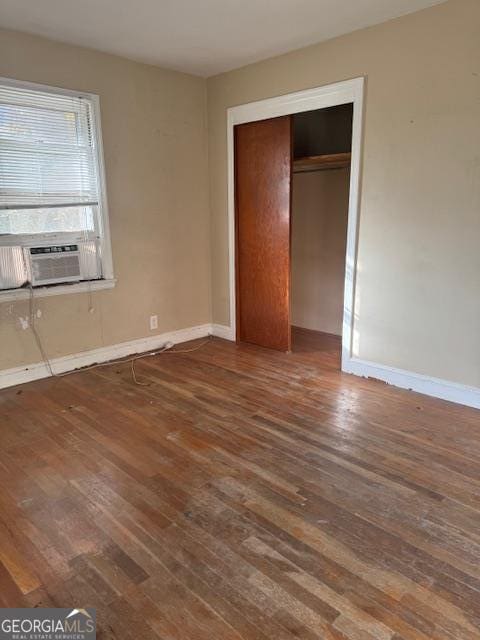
(244, 494)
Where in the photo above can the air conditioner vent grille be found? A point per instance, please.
(50, 265)
(55, 268)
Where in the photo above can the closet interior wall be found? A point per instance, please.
(320, 194)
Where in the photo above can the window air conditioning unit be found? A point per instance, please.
(54, 264)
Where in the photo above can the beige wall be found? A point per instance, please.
(319, 238)
(155, 143)
(418, 287)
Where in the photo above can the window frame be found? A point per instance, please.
(107, 281)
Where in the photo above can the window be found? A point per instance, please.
(53, 216)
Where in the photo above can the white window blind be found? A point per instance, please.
(47, 150)
(51, 181)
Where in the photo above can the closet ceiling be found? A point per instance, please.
(200, 37)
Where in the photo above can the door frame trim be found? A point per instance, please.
(330, 95)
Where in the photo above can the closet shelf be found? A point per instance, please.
(320, 163)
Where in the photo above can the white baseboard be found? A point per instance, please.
(222, 331)
(19, 375)
(435, 387)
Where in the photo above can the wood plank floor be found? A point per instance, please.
(243, 494)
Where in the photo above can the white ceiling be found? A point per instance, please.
(203, 37)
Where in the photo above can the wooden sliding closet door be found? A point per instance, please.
(263, 169)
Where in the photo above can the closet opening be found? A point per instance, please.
(321, 149)
(318, 130)
(292, 178)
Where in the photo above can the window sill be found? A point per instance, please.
(8, 295)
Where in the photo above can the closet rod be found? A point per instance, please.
(320, 163)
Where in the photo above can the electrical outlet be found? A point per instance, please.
(153, 323)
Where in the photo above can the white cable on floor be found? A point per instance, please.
(168, 348)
